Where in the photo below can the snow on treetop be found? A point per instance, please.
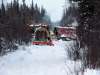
(67, 27)
(37, 25)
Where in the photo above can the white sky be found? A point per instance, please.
(54, 8)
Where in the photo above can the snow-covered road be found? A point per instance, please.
(39, 60)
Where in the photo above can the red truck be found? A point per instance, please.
(65, 32)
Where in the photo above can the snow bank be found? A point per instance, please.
(41, 60)
(91, 72)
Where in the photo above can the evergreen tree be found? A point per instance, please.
(3, 13)
(69, 15)
(89, 30)
(14, 21)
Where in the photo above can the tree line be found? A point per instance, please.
(69, 15)
(88, 31)
(14, 21)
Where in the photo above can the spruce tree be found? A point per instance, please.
(89, 30)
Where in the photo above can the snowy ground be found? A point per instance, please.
(41, 60)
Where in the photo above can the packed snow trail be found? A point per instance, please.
(35, 60)
(39, 60)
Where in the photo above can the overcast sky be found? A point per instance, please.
(54, 8)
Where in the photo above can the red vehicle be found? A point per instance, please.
(67, 32)
(41, 36)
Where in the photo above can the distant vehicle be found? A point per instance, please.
(65, 32)
(41, 35)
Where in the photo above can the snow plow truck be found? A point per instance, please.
(41, 35)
